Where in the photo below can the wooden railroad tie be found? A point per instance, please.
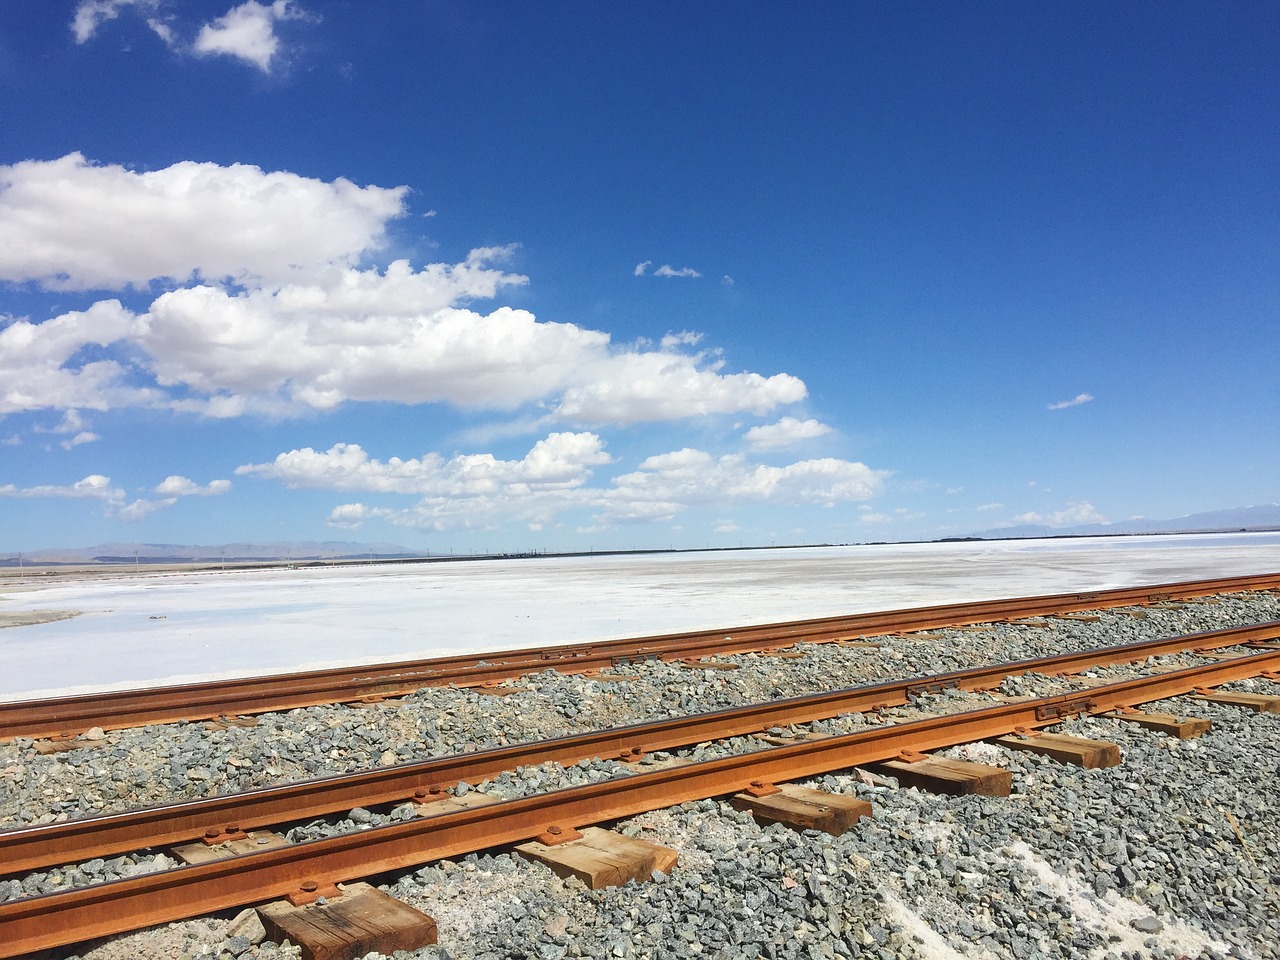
(955, 778)
(358, 920)
(1257, 702)
(597, 857)
(1090, 754)
(802, 808)
(1184, 728)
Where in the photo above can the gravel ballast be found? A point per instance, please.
(1174, 853)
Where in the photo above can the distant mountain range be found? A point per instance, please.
(1262, 517)
(300, 550)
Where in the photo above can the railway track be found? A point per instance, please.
(68, 716)
(62, 918)
(32, 848)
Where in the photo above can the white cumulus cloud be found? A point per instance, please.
(666, 270)
(138, 509)
(37, 368)
(668, 483)
(97, 487)
(274, 316)
(176, 486)
(637, 387)
(785, 433)
(69, 224)
(1075, 512)
(554, 478)
(91, 14)
(247, 32)
(560, 461)
(93, 487)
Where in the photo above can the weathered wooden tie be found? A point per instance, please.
(954, 778)
(1090, 754)
(1257, 702)
(599, 858)
(1184, 728)
(358, 920)
(802, 808)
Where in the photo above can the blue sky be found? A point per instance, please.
(500, 276)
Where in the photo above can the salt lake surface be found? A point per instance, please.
(171, 627)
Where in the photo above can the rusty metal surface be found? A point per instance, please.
(59, 919)
(114, 710)
(57, 844)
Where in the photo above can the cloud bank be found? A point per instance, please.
(273, 312)
(554, 479)
(69, 224)
(240, 291)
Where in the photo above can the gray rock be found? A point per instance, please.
(1148, 924)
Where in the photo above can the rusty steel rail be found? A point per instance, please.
(59, 919)
(65, 716)
(56, 844)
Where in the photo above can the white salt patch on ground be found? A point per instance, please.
(1111, 917)
(930, 943)
(245, 623)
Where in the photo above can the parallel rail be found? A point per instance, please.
(58, 919)
(31, 848)
(65, 716)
